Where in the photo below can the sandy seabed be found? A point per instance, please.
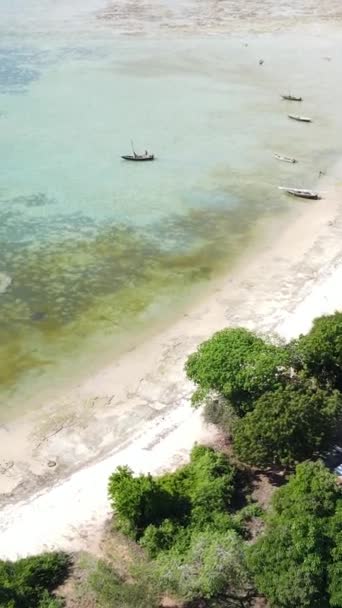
(137, 410)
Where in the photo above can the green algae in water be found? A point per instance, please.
(62, 293)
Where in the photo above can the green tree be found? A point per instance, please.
(239, 365)
(212, 567)
(291, 560)
(286, 426)
(320, 351)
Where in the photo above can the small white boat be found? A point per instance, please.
(301, 193)
(299, 118)
(285, 159)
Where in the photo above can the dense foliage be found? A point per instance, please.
(287, 426)
(280, 404)
(238, 365)
(28, 583)
(335, 566)
(320, 351)
(155, 510)
(297, 561)
(197, 546)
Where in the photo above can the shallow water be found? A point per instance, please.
(92, 249)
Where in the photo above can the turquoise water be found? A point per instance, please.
(92, 249)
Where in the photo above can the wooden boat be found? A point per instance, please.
(285, 159)
(299, 118)
(138, 157)
(301, 193)
(292, 98)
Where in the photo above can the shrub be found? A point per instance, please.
(154, 510)
(161, 538)
(320, 351)
(27, 583)
(141, 501)
(212, 567)
(287, 426)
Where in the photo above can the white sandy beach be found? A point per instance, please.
(137, 411)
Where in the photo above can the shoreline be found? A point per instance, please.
(294, 278)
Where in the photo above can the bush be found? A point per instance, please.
(141, 501)
(157, 510)
(292, 561)
(239, 366)
(27, 583)
(287, 426)
(161, 538)
(212, 567)
(320, 351)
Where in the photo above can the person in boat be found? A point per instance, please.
(146, 153)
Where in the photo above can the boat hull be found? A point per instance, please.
(313, 196)
(292, 98)
(301, 193)
(299, 118)
(285, 159)
(138, 159)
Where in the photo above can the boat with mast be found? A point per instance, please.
(138, 157)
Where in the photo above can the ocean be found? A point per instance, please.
(95, 252)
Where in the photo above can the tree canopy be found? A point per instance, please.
(280, 404)
(294, 561)
(320, 351)
(287, 425)
(239, 365)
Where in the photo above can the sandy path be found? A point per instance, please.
(138, 407)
